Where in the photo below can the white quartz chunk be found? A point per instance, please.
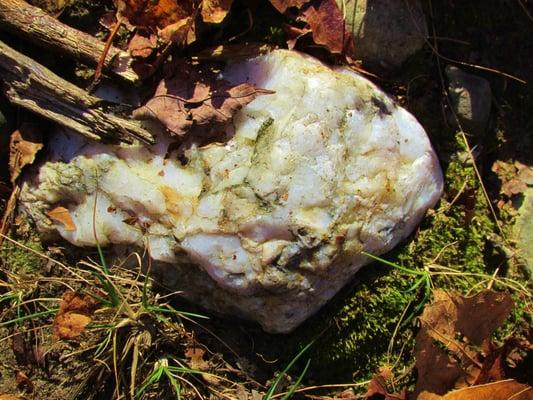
(269, 224)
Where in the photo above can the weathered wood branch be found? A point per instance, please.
(30, 85)
(33, 24)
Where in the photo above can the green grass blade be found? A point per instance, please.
(102, 258)
(170, 310)
(390, 264)
(29, 316)
(174, 383)
(298, 381)
(272, 388)
(153, 378)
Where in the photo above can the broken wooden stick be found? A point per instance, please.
(33, 24)
(30, 85)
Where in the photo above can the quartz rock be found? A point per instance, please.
(385, 32)
(471, 99)
(524, 230)
(269, 224)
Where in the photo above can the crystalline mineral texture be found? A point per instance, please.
(269, 224)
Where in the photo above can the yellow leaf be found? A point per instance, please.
(62, 215)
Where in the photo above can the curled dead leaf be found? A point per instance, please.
(515, 177)
(174, 20)
(81, 303)
(62, 215)
(324, 20)
(70, 325)
(196, 358)
(195, 355)
(23, 147)
(24, 382)
(377, 388)
(187, 101)
(74, 315)
(142, 44)
(328, 27)
(446, 320)
(501, 390)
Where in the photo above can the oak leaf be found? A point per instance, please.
(328, 27)
(190, 101)
(445, 320)
(515, 177)
(324, 20)
(62, 215)
(24, 145)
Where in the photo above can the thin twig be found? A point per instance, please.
(101, 61)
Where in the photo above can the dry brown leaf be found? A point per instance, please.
(493, 368)
(480, 315)
(328, 27)
(81, 303)
(155, 13)
(24, 382)
(196, 358)
(70, 325)
(182, 32)
(444, 320)
(515, 177)
(24, 145)
(73, 315)
(437, 372)
(501, 390)
(142, 44)
(62, 215)
(476, 317)
(324, 21)
(174, 20)
(293, 34)
(10, 397)
(283, 5)
(195, 355)
(188, 101)
(377, 388)
(214, 11)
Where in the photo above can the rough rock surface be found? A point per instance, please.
(524, 230)
(471, 99)
(386, 33)
(269, 224)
